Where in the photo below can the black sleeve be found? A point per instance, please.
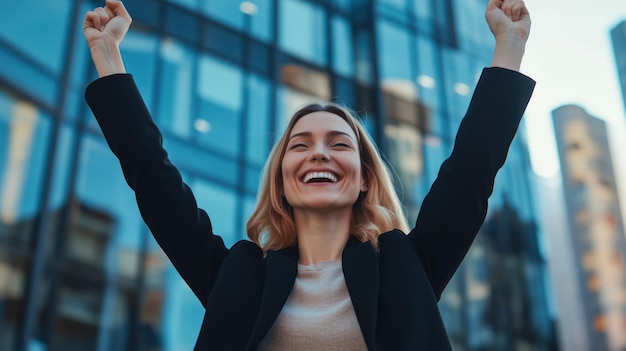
(166, 203)
(456, 205)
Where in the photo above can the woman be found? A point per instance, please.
(329, 266)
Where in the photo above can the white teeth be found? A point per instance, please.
(320, 175)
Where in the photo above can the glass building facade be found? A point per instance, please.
(596, 234)
(79, 269)
(618, 39)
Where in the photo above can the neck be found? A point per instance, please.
(322, 235)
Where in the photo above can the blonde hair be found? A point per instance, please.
(271, 225)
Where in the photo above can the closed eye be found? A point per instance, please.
(342, 145)
(295, 146)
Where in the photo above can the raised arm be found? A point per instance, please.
(166, 203)
(456, 205)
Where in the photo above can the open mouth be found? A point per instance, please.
(320, 177)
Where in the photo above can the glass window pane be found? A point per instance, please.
(102, 252)
(342, 5)
(394, 9)
(428, 79)
(190, 4)
(253, 179)
(222, 41)
(219, 92)
(226, 12)
(460, 79)
(177, 76)
(42, 37)
(343, 61)
(303, 30)
(404, 150)
(182, 314)
(80, 66)
(14, 266)
(114, 204)
(249, 204)
(220, 203)
(394, 53)
(344, 93)
(190, 158)
(261, 21)
(183, 24)
(66, 144)
(471, 28)
(24, 142)
(29, 77)
(364, 61)
(425, 14)
(258, 118)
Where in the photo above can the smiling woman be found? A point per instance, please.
(361, 202)
(332, 263)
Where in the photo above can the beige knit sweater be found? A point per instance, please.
(318, 315)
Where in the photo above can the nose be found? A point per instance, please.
(319, 153)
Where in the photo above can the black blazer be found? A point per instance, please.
(394, 291)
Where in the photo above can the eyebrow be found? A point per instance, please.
(330, 133)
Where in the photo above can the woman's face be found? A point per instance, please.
(321, 168)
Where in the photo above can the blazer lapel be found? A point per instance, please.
(360, 268)
(281, 274)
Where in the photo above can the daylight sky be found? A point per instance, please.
(570, 55)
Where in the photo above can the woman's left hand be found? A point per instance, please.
(508, 19)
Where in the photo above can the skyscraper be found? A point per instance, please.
(221, 78)
(595, 225)
(618, 37)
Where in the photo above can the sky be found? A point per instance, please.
(570, 55)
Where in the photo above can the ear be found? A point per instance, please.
(364, 186)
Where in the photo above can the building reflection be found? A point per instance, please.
(596, 232)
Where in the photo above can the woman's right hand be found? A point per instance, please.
(104, 28)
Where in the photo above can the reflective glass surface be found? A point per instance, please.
(227, 12)
(253, 17)
(343, 61)
(258, 136)
(14, 266)
(302, 30)
(424, 12)
(471, 28)
(429, 80)
(261, 22)
(175, 95)
(66, 147)
(460, 77)
(393, 9)
(80, 66)
(102, 251)
(43, 37)
(219, 91)
(221, 205)
(394, 53)
(24, 142)
(191, 4)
